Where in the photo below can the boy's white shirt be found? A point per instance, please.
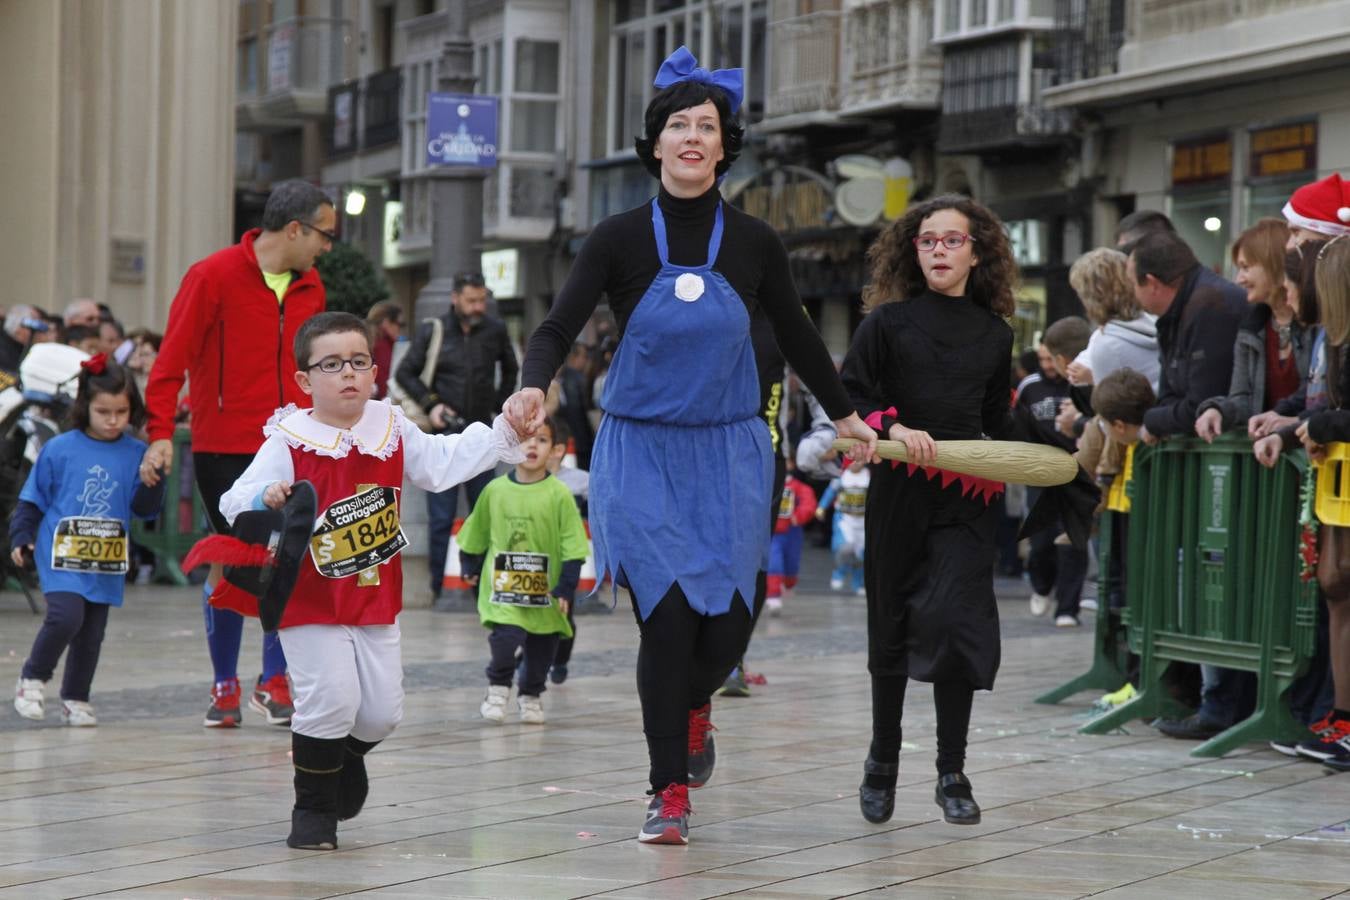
(432, 462)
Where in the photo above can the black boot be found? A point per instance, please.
(318, 774)
(876, 796)
(958, 804)
(353, 786)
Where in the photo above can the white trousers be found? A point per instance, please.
(348, 679)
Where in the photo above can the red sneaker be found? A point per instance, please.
(667, 817)
(702, 752)
(224, 709)
(272, 698)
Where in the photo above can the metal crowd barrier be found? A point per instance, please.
(1213, 575)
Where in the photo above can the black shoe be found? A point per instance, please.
(1191, 728)
(956, 810)
(312, 829)
(558, 674)
(878, 803)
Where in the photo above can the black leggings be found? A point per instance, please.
(951, 699)
(682, 659)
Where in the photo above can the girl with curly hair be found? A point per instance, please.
(931, 362)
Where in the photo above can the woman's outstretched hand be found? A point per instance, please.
(854, 428)
(524, 411)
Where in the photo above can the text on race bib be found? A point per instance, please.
(853, 502)
(90, 544)
(358, 533)
(520, 579)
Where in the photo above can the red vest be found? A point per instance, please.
(319, 600)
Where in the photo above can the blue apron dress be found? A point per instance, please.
(682, 467)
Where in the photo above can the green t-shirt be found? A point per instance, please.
(527, 531)
(278, 283)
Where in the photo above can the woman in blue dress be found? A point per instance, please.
(682, 467)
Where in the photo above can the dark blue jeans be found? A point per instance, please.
(441, 510)
(73, 622)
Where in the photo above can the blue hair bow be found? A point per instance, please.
(681, 66)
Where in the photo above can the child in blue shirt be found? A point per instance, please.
(73, 521)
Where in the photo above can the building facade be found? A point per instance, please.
(118, 149)
(1211, 112)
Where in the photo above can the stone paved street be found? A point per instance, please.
(150, 804)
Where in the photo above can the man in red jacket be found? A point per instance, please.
(231, 330)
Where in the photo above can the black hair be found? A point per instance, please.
(1300, 267)
(1030, 361)
(115, 379)
(326, 323)
(1139, 223)
(561, 433)
(1164, 255)
(683, 95)
(293, 201)
(552, 425)
(76, 333)
(468, 279)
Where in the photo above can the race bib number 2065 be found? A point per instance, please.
(358, 533)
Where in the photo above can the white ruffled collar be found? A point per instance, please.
(377, 433)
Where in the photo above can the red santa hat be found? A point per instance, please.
(1323, 206)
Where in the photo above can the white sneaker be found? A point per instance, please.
(775, 605)
(1088, 603)
(1066, 621)
(1040, 604)
(28, 698)
(77, 714)
(531, 710)
(493, 707)
(836, 583)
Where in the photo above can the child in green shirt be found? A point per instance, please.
(526, 533)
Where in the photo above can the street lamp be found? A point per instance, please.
(356, 202)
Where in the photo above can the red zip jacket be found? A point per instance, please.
(796, 506)
(234, 341)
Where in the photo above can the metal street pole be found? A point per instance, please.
(456, 191)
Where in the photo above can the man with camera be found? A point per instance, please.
(474, 373)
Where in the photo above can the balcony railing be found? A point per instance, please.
(804, 73)
(1088, 36)
(1013, 125)
(889, 58)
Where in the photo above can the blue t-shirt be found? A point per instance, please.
(76, 475)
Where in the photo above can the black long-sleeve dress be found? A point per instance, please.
(943, 364)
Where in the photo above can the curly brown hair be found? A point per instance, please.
(894, 263)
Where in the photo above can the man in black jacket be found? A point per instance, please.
(1198, 316)
(475, 373)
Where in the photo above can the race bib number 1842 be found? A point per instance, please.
(358, 533)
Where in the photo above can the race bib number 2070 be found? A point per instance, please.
(358, 533)
(90, 544)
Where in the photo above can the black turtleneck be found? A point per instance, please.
(619, 260)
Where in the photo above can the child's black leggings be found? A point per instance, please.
(683, 658)
(952, 700)
(73, 622)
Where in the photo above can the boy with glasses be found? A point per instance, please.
(340, 626)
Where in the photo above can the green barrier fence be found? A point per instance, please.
(1213, 576)
(181, 523)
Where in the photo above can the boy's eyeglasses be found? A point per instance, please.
(331, 365)
(926, 243)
